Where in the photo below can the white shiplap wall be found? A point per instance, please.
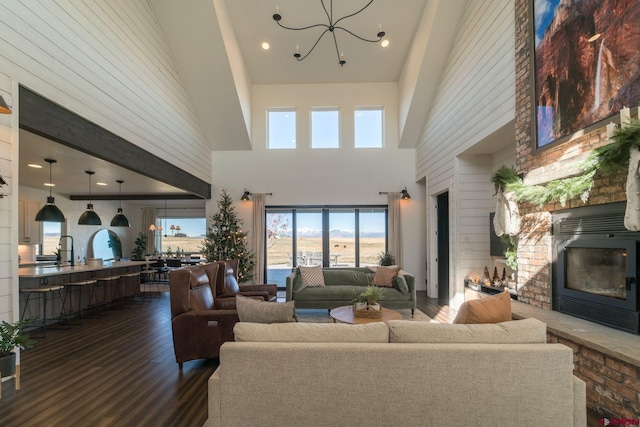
(476, 95)
(475, 98)
(8, 205)
(107, 61)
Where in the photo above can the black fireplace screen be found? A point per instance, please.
(599, 271)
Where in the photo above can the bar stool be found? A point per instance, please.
(135, 284)
(147, 274)
(41, 293)
(105, 282)
(79, 287)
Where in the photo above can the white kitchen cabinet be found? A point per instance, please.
(30, 231)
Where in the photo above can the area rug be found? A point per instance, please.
(321, 315)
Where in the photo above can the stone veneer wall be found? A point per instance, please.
(613, 386)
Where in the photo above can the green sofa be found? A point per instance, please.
(344, 284)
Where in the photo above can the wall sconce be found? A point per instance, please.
(405, 194)
(245, 196)
(4, 108)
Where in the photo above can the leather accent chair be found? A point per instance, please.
(199, 328)
(227, 287)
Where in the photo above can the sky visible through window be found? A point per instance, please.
(370, 222)
(282, 129)
(325, 129)
(192, 227)
(368, 127)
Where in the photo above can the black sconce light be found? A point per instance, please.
(245, 196)
(405, 194)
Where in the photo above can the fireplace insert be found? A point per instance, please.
(596, 268)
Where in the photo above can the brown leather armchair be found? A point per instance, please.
(227, 287)
(199, 328)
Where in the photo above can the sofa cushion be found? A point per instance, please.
(376, 332)
(493, 309)
(400, 284)
(384, 276)
(312, 276)
(527, 331)
(339, 277)
(253, 310)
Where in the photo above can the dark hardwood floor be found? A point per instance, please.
(119, 370)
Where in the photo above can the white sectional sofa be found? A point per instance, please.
(400, 373)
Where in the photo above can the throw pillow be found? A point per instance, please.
(312, 276)
(384, 276)
(493, 309)
(256, 311)
(400, 284)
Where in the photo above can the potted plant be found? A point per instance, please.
(370, 298)
(140, 245)
(385, 258)
(11, 336)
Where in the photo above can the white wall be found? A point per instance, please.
(331, 176)
(108, 62)
(476, 97)
(8, 204)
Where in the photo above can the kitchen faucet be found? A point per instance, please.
(67, 250)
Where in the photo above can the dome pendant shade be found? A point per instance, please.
(89, 217)
(50, 212)
(119, 220)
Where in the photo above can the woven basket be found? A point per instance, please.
(368, 314)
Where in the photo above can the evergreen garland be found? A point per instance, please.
(611, 158)
(225, 239)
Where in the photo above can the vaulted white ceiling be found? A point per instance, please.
(217, 48)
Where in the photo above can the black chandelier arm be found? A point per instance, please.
(357, 36)
(354, 13)
(329, 15)
(314, 46)
(335, 41)
(302, 28)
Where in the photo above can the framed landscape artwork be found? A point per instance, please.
(586, 64)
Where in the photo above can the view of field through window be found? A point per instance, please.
(309, 236)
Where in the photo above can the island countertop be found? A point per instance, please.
(52, 270)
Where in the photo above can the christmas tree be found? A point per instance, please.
(225, 239)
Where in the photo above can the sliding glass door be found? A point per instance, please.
(341, 236)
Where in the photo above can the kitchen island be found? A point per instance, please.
(36, 276)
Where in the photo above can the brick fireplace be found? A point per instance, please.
(613, 385)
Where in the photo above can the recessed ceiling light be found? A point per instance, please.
(265, 45)
(384, 43)
(101, 183)
(49, 184)
(33, 165)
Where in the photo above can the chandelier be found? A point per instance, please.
(331, 27)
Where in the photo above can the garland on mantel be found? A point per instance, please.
(613, 157)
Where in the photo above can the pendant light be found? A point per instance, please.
(119, 220)
(89, 217)
(50, 212)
